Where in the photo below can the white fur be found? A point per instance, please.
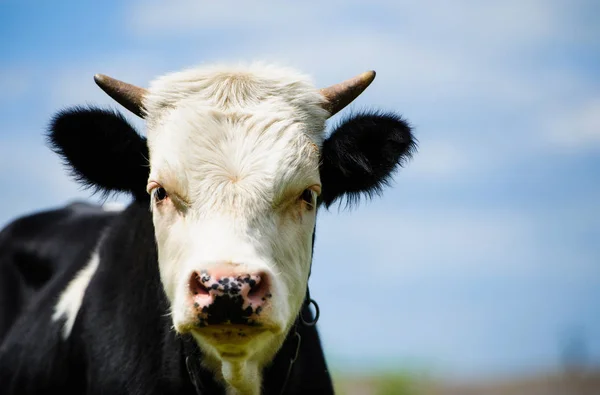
(113, 206)
(71, 298)
(235, 147)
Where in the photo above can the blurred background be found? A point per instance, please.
(479, 269)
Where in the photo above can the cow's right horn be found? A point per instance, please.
(340, 95)
(127, 95)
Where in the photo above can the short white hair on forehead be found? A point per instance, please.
(257, 126)
(241, 89)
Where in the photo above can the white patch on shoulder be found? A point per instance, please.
(71, 298)
(113, 206)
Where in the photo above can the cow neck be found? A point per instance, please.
(203, 381)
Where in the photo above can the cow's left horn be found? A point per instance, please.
(340, 95)
(127, 95)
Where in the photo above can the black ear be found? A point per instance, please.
(102, 150)
(362, 153)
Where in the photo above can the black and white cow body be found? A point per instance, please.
(199, 285)
(41, 247)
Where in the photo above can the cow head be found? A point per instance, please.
(235, 166)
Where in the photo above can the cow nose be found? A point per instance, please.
(221, 298)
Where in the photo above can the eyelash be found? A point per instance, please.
(308, 198)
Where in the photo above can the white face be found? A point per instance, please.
(234, 184)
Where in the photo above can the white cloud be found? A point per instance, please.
(406, 243)
(575, 129)
(504, 20)
(35, 179)
(423, 39)
(185, 16)
(464, 48)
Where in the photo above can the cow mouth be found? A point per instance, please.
(248, 329)
(231, 334)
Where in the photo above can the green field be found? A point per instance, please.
(561, 383)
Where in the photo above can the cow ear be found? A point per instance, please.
(361, 155)
(102, 150)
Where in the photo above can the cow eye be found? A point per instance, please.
(160, 194)
(307, 197)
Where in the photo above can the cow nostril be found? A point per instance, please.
(259, 287)
(255, 289)
(197, 286)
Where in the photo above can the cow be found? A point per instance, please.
(200, 285)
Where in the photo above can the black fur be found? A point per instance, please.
(37, 247)
(101, 149)
(362, 153)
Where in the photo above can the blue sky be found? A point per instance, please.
(483, 254)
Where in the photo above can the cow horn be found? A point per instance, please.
(340, 95)
(127, 95)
